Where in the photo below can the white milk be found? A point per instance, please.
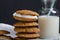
(49, 26)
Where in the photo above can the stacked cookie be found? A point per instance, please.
(2, 32)
(3, 37)
(26, 28)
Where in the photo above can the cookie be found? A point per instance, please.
(25, 15)
(25, 24)
(4, 32)
(28, 35)
(27, 12)
(19, 38)
(5, 38)
(27, 30)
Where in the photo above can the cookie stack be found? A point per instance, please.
(3, 37)
(26, 28)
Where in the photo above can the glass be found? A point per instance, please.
(46, 6)
(49, 25)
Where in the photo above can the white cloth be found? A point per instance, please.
(8, 28)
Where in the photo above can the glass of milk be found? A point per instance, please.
(49, 26)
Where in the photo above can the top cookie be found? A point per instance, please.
(27, 12)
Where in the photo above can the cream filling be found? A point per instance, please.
(24, 16)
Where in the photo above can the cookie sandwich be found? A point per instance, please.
(25, 15)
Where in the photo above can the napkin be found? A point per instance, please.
(8, 28)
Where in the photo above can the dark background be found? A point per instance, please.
(8, 7)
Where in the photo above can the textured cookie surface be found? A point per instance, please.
(5, 38)
(27, 30)
(28, 35)
(27, 12)
(25, 24)
(4, 32)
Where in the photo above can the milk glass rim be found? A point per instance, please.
(46, 16)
